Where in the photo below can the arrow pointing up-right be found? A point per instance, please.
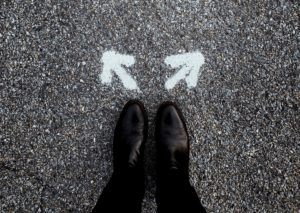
(189, 67)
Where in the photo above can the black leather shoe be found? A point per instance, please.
(172, 141)
(174, 192)
(125, 190)
(129, 137)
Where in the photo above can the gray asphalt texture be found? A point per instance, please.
(57, 119)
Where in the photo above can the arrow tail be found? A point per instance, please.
(127, 80)
(179, 75)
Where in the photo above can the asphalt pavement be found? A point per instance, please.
(57, 117)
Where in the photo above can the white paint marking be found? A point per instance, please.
(189, 67)
(113, 61)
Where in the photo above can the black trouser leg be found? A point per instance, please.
(175, 194)
(123, 193)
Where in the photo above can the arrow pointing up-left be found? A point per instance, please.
(115, 62)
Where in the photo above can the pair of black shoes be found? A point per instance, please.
(124, 192)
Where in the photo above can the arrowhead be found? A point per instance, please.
(189, 64)
(113, 61)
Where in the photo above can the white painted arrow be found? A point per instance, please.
(189, 67)
(115, 62)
